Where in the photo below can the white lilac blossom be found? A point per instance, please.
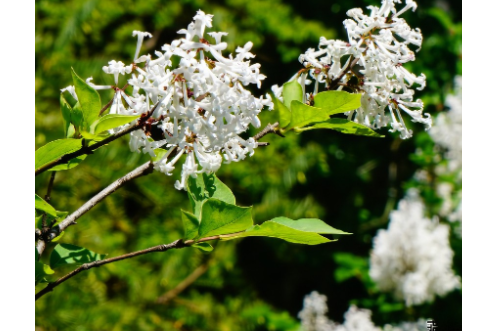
(313, 318)
(201, 104)
(371, 63)
(447, 131)
(313, 315)
(447, 134)
(413, 257)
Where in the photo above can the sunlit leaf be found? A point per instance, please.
(219, 217)
(112, 121)
(89, 100)
(64, 254)
(56, 149)
(344, 126)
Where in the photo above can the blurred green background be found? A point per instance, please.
(350, 182)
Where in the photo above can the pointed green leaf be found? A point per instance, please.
(205, 187)
(55, 149)
(77, 117)
(205, 247)
(218, 217)
(337, 101)
(69, 165)
(112, 121)
(302, 114)
(278, 230)
(66, 110)
(44, 206)
(64, 254)
(190, 225)
(292, 91)
(88, 98)
(308, 225)
(344, 126)
(93, 137)
(58, 237)
(40, 269)
(283, 114)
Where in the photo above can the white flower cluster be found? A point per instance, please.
(371, 63)
(413, 256)
(447, 131)
(313, 315)
(313, 318)
(201, 104)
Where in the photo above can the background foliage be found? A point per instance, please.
(350, 182)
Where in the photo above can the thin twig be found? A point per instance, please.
(160, 248)
(270, 128)
(40, 247)
(142, 170)
(50, 186)
(95, 264)
(184, 284)
(89, 149)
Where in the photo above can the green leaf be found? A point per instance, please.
(205, 247)
(219, 217)
(69, 165)
(337, 101)
(278, 230)
(308, 225)
(325, 104)
(88, 98)
(55, 149)
(302, 114)
(282, 113)
(77, 117)
(159, 152)
(44, 206)
(344, 126)
(58, 237)
(205, 187)
(190, 225)
(93, 137)
(64, 254)
(112, 121)
(292, 91)
(66, 110)
(40, 269)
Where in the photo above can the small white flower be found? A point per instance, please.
(72, 90)
(117, 68)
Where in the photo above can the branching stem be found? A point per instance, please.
(142, 170)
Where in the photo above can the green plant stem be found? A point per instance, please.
(89, 149)
(160, 248)
(142, 170)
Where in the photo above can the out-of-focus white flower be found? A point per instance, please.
(204, 106)
(378, 46)
(447, 131)
(413, 258)
(313, 315)
(313, 318)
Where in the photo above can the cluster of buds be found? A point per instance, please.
(371, 63)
